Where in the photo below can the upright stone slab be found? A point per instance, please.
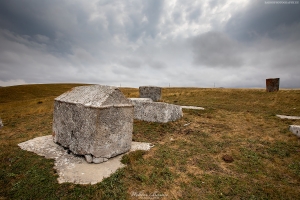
(272, 84)
(95, 121)
(151, 92)
(146, 110)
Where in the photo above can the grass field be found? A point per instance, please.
(187, 160)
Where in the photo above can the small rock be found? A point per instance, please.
(99, 160)
(295, 129)
(227, 158)
(187, 124)
(88, 158)
(1, 124)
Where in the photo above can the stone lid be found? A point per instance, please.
(141, 99)
(95, 96)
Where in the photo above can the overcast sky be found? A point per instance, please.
(226, 43)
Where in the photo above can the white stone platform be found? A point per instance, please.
(75, 169)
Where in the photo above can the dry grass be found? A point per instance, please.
(186, 162)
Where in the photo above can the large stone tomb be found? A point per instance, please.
(95, 121)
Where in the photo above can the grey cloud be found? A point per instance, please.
(155, 64)
(262, 20)
(131, 63)
(214, 49)
(195, 14)
(144, 43)
(215, 3)
(275, 55)
(53, 20)
(153, 10)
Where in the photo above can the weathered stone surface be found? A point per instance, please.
(155, 111)
(1, 123)
(95, 120)
(74, 169)
(99, 160)
(141, 99)
(295, 129)
(152, 92)
(272, 84)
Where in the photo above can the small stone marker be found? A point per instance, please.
(272, 84)
(1, 124)
(95, 121)
(151, 92)
(295, 129)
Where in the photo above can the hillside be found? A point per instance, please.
(187, 161)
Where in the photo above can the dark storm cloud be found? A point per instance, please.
(262, 20)
(271, 33)
(25, 17)
(150, 42)
(59, 21)
(214, 49)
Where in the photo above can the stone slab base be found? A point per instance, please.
(75, 169)
(288, 117)
(192, 107)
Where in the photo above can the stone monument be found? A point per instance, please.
(151, 92)
(272, 84)
(95, 121)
